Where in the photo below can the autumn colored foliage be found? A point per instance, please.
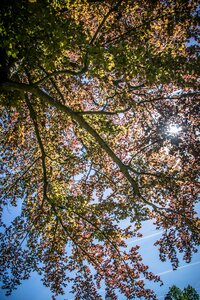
(89, 94)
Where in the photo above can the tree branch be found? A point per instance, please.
(85, 67)
(131, 30)
(22, 175)
(80, 120)
(169, 97)
(74, 241)
(59, 72)
(54, 85)
(105, 236)
(103, 21)
(33, 116)
(102, 112)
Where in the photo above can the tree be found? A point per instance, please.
(189, 293)
(89, 90)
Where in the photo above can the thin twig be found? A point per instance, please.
(22, 175)
(103, 22)
(103, 112)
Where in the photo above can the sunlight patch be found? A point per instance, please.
(174, 129)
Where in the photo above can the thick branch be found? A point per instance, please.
(80, 120)
(33, 116)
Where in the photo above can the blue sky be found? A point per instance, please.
(33, 289)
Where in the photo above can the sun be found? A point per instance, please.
(174, 129)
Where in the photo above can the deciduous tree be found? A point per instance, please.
(89, 90)
(188, 293)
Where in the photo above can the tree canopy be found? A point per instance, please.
(99, 124)
(188, 293)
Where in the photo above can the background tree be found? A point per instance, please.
(89, 90)
(188, 293)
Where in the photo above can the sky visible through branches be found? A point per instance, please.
(184, 275)
(99, 147)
